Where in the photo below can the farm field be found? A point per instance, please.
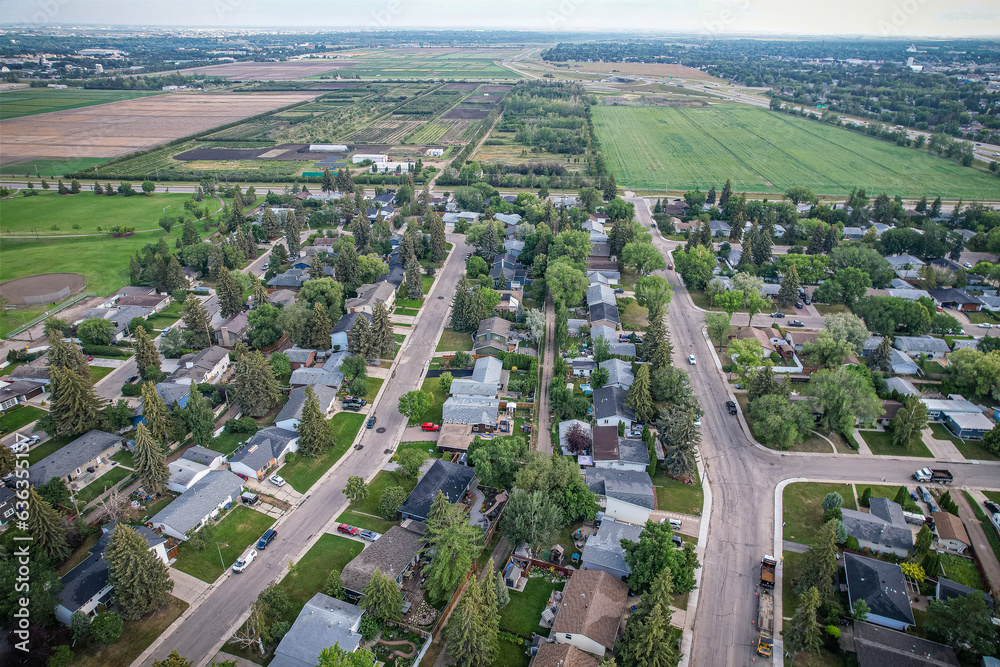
(131, 125)
(761, 151)
(83, 213)
(427, 64)
(269, 71)
(31, 101)
(51, 168)
(665, 70)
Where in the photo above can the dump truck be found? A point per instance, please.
(935, 475)
(767, 564)
(765, 623)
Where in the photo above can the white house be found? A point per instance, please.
(590, 612)
(610, 408)
(203, 501)
(265, 450)
(291, 413)
(626, 495)
(206, 366)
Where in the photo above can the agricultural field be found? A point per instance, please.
(761, 151)
(51, 168)
(30, 101)
(665, 70)
(269, 71)
(427, 64)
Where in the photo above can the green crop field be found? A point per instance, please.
(83, 213)
(407, 65)
(428, 134)
(31, 101)
(762, 151)
(52, 168)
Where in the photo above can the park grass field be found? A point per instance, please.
(83, 213)
(427, 64)
(31, 101)
(762, 151)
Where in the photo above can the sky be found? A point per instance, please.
(889, 18)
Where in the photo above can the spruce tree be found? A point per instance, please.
(200, 418)
(803, 633)
(313, 429)
(230, 298)
(821, 564)
(254, 384)
(258, 291)
(789, 292)
(459, 305)
(140, 579)
(270, 223)
(348, 267)
(414, 283)
(174, 279)
(727, 192)
(318, 329)
(150, 462)
(146, 354)
(155, 414)
(74, 406)
(46, 528)
(661, 358)
(292, 231)
(655, 333)
(882, 357)
(190, 235)
(278, 256)
(639, 397)
(464, 632)
(866, 497)
(362, 229)
(358, 338)
(439, 247)
(456, 543)
(382, 598)
(382, 340)
(647, 640)
(195, 324)
(610, 187)
(64, 354)
(216, 261)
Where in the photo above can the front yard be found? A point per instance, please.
(135, 638)
(452, 341)
(19, 416)
(802, 511)
(521, 616)
(880, 442)
(36, 454)
(888, 491)
(306, 577)
(303, 472)
(365, 512)
(98, 373)
(677, 496)
(436, 411)
(237, 530)
(970, 449)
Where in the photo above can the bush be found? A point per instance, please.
(515, 359)
(370, 627)
(179, 295)
(388, 505)
(132, 390)
(243, 425)
(107, 350)
(833, 631)
(852, 544)
(107, 627)
(290, 457)
(278, 631)
(61, 657)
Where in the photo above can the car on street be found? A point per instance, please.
(697, 421)
(670, 266)
(369, 535)
(348, 529)
(778, 315)
(731, 406)
(985, 325)
(266, 538)
(131, 379)
(277, 480)
(807, 301)
(90, 357)
(691, 359)
(996, 520)
(371, 422)
(427, 426)
(243, 561)
(967, 265)
(31, 439)
(19, 447)
(992, 506)
(795, 323)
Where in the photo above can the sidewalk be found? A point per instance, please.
(863, 448)
(944, 450)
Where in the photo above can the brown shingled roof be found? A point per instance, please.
(950, 527)
(562, 655)
(592, 606)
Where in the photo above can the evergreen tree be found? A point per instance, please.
(146, 354)
(319, 328)
(936, 208)
(460, 306)
(439, 248)
(610, 187)
(803, 633)
(190, 235)
(348, 267)
(74, 406)
(327, 185)
(46, 528)
(155, 415)
(315, 433)
(464, 632)
(762, 247)
(710, 198)
(230, 298)
(500, 588)
(200, 418)
(763, 383)
(292, 231)
(195, 324)
(648, 639)
(789, 292)
(382, 340)
(278, 257)
(655, 334)
(270, 223)
(817, 240)
(140, 579)
(821, 564)
(65, 354)
(246, 244)
(489, 243)
(831, 240)
(456, 544)
(150, 462)
(866, 497)
(414, 283)
(882, 357)
(639, 398)
(661, 358)
(258, 290)
(727, 192)
(382, 598)
(216, 261)
(174, 278)
(679, 438)
(254, 384)
(362, 229)
(134, 269)
(358, 338)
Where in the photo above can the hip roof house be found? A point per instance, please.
(882, 586)
(322, 623)
(590, 612)
(451, 479)
(393, 555)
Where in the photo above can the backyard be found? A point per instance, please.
(435, 412)
(521, 616)
(962, 570)
(803, 510)
(237, 530)
(101, 484)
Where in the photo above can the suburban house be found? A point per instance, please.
(885, 529)
(853, 233)
(603, 331)
(619, 373)
(598, 293)
(80, 458)
(957, 299)
(291, 412)
(451, 479)
(881, 647)
(583, 366)
(561, 655)
(901, 363)
(599, 248)
(898, 262)
(231, 330)
(508, 274)
(174, 393)
(316, 377)
(605, 276)
(371, 295)
(292, 279)
(480, 412)
(191, 467)
(882, 586)
(322, 623)
(564, 428)
(281, 297)
(492, 336)
(799, 338)
(625, 495)
(299, 357)
(604, 552)
(719, 228)
(203, 501)
(951, 532)
(510, 302)
(612, 451)
(85, 587)
(604, 313)
(8, 502)
(19, 391)
(590, 612)
(484, 381)
(933, 348)
(34, 371)
(948, 589)
(610, 409)
(513, 247)
(264, 450)
(964, 419)
(622, 349)
(338, 336)
(393, 555)
(207, 366)
(902, 386)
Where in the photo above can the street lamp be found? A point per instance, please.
(224, 544)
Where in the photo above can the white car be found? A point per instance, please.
(697, 421)
(967, 265)
(691, 359)
(996, 520)
(243, 561)
(276, 480)
(19, 447)
(985, 325)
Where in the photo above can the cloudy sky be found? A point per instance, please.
(947, 18)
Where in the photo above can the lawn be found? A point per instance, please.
(166, 318)
(803, 511)
(880, 442)
(521, 616)
(101, 484)
(237, 530)
(125, 457)
(98, 373)
(373, 385)
(408, 312)
(227, 442)
(880, 491)
(763, 151)
(31, 101)
(791, 568)
(304, 472)
(970, 449)
(510, 654)
(136, 638)
(962, 570)
(365, 521)
(409, 303)
(382, 481)
(19, 416)
(677, 496)
(452, 341)
(436, 411)
(426, 281)
(36, 454)
(984, 520)
(53, 168)
(307, 576)
(83, 213)
(993, 495)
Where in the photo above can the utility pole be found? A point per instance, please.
(224, 544)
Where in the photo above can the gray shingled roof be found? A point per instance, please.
(170, 391)
(619, 372)
(883, 647)
(603, 331)
(883, 526)
(390, 554)
(298, 355)
(266, 444)
(196, 503)
(200, 455)
(317, 377)
(610, 402)
(323, 622)
(948, 589)
(496, 325)
(450, 478)
(65, 460)
(91, 576)
(487, 369)
(467, 387)
(605, 547)
(345, 323)
(297, 400)
(598, 293)
(921, 344)
(604, 312)
(466, 409)
(633, 451)
(629, 486)
(623, 349)
(880, 585)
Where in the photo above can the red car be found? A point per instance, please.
(427, 426)
(348, 530)
(243, 477)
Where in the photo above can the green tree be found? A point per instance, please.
(356, 489)
(610, 187)
(497, 461)
(410, 461)
(679, 438)
(649, 640)
(96, 331)
(64, 354)
(444, 382)
(882, 357)
(718, 327)
(146, 354)
(643, 257)
(473, 629)
(439, 247)
(254, 384)
(476, 266)
(778, 422)
(804, 632)
(139, 577)
(846, 286)
(265, 327)
(655, 552)
(334, 585)
(380, 332)
(789, 292)
(456, 544)
(200, 418)
(75, 407)
(414, 283)
(866, 495)
(314, 431)
(318, 328)
(80, 626)
(334, 656)
(413, 404)
(382, 598)
(651, 291)
(747, 355)
(150, 462)
(45, 526)
(844, 396)
(599, 377)
(107, 627)
(196, 332)
(292, 232)
(963, 623)
(567, 284)
(639, 397)
(908, 424)
(155, 415)
(530, 517)
(832, 503)
(821, 565)
(62, 657)
(230, 298)
(173, 660)
(826, 351)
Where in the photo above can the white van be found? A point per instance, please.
(243, 561)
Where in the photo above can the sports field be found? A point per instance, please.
(52, 214)
(762, 151)
(31, 101)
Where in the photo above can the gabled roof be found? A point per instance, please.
(897, 261)
(449, 478)
(372, 294)
(610, 402)
(619, 372)
(188, 510)
(297, 401)
(495, 325)
(317, 377)
(65, 460)
(200, 455)
(562, 655)
(921, 344)
(201, 363)
(633, 451)
(281, 297)
(265, 445)
(323, 622)
(950, 527)
(603, 331)
(171, 392)
(487, 369)
(880, 585)
(876, 529)
(467, 387)
(605, 547)
(604, 312)
(346, 322)
(599, 293)
(948, 589)
(470, 409)
(605, 443)
(623, 349)
(592, 606)
(630, 486)
(298, 355)
(883, 647)
(952, 295)
(391, 554)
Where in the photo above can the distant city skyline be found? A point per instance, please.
(884, 18)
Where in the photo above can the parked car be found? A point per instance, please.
(266, 538)
(691, 359)
(371, 422)
(697, 421)
(967, 265)
(985, 325)
(277, 480)
(778, 315)
(996, 520)
(795, 323)
(619, 290)
(731, 406)
(347, 529)
(992, 506)
(427, 426)
(678, 542)
(90, 357)
(31, 439)
(243, 561)
(370, 535)
(807, 300)
(798, 304)
(243, 477)
(19, 447)
(670, 266)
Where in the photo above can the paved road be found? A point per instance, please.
(201, 633)
(742, 478)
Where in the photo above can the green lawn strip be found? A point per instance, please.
(676, 496)
(791, 564)
(382, 481)
(962, 570)
(970, 449)
(564, 538)
(888, 491)
(435, 413)
(407, 312)
(227, 442)
(38, 453)
(125, 457)
(19, 416)
(373, 385)
(237, 530)
(991, 532)
(510, 654)
(306, 578)
(880, 442)
(993, 495)
(409, 303)
(101, 484)
(135, 638)
(452, 341)
(802, 510)
(525, 609)
(427, 282)
(99, 372)
(365, 521)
